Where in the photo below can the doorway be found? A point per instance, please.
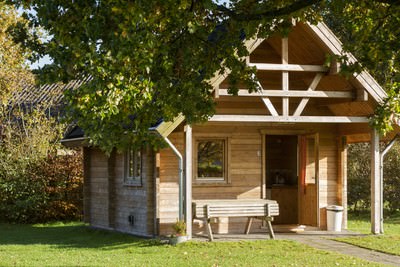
(291, 169)
(282, 175)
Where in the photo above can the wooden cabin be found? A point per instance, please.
(286, 142)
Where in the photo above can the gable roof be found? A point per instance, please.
(331, 44)
(335, 47)
(330, 40)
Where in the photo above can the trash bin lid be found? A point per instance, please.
(334, 208)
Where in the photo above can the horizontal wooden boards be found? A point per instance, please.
(288, 67)
(300, 119)
(292, 93)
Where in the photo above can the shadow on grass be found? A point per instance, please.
(72, 235)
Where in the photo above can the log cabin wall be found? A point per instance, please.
(245, 171)
(168, 188)
(115, 205)
(328, 173)
(86, 184)
(98, 188)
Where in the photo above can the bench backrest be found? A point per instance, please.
(235, 208)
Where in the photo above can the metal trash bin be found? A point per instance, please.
(334, 218)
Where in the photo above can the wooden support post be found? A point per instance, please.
(285, 76)
(375, 184)
(188, 180)
(342, 178)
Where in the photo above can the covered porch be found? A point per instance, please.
(286, 142)
(322, 180)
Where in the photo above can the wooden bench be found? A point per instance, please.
(263, 209)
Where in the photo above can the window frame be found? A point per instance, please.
(133, 180)
(226, 159)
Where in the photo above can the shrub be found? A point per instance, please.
(38, 183)
(359, 178)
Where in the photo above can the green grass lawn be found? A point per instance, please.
(74, 244)
(389, 242)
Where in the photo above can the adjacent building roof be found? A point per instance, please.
(52, 94)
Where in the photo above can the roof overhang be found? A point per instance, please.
(164, 128)
(329, 39)
(75, 142)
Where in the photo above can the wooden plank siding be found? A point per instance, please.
(112, 201)
(245, 170)
(86, 184)
(98, 189)
(168, 201)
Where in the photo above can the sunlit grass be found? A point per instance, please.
(388, 243)
(74, 244)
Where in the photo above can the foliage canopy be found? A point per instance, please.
(14, 72)
(36, 184)
(154, 59)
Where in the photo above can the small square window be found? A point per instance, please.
(133, 167)
(211, 160)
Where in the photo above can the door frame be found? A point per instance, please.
(298, 133)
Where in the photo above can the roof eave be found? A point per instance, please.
(336, 47)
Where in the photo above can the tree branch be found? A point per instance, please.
(296, 6)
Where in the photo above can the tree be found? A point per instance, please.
(369, 29)
(359, 194)
(14, 72)
(153, 59)
(36, 183)
(359, 171)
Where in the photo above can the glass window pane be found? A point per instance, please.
(133, 166)
(210, 159)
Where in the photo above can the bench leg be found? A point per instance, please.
(270, 230)
(209, 231)
(248, 225)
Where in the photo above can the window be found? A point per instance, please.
(133, 167)
(211, 160)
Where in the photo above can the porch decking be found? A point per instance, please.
(281, 232)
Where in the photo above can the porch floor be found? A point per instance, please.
(282, 231)
(278, 235)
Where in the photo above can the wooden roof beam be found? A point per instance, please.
(285, 119)
(270, 106)
(310, 90)
(292, 93)
(289, 67)
(285, 75)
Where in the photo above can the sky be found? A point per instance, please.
(40, 63)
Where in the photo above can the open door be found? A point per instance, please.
(281, 161)
(308, 180)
